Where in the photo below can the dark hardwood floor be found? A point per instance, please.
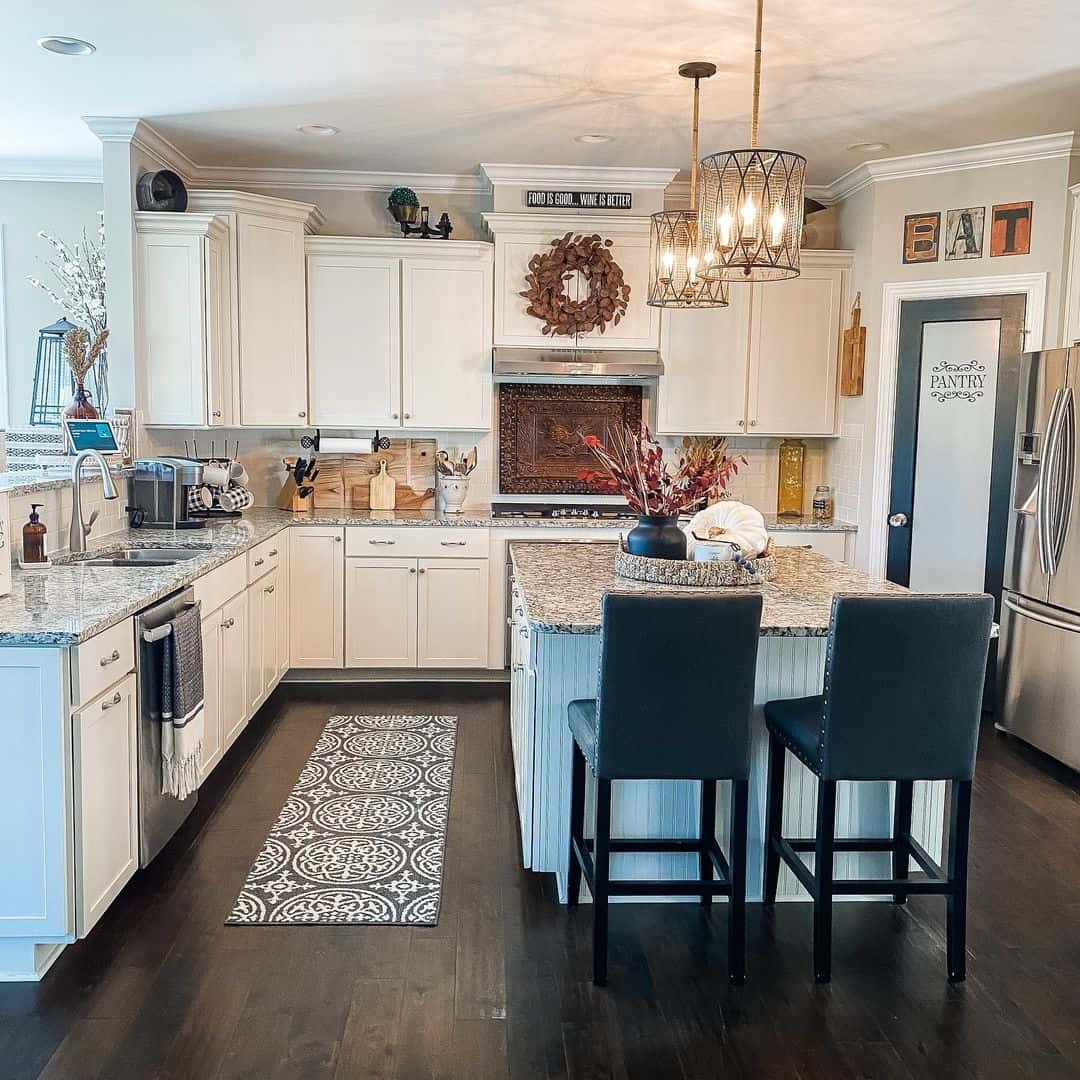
(502, 986)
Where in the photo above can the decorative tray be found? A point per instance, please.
(704, 575)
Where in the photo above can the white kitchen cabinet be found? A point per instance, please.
(399, 336)
(788, 333)
(105, 800)
(794, 352)
(836, 545)
(184, 352)
(213, 734)
(703, 388)
(453, 605)
(316, 597)
(380, 613)
(522, 727)
(354, 340)
(235, 711)
(265, 627)
(446, 342)
(282, 614)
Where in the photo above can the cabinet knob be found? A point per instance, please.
(412, 569)
(228, 624)
(742, 423)
(269, 589)
(337, 539)
(422, 570)
(217, 414)
(301, 415)
(114, 700)
(408, 416)
(393, 416)
(105, 661)
(259, 562)
(272, 553)
(753, 423)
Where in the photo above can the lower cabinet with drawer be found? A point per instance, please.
(416, 597)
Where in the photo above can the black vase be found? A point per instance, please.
(657, 536)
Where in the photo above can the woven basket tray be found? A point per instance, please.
(705, 575)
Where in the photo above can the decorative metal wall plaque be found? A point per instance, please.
(540, 434)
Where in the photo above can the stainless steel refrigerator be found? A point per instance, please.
(1039, 651)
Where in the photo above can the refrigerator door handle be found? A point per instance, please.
(1043, 524)
(1063, 511)
(1039, 617)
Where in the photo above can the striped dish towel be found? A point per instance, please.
(182, 704)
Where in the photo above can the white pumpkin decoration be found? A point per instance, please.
(729, 521)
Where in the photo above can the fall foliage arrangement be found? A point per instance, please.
(633, 466)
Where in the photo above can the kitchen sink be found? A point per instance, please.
(145, 556)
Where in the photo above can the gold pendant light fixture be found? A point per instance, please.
(676, 259)
(751, 214)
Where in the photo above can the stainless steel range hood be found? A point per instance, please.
(510, 364)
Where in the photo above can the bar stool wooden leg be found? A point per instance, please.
(956, 903)
(577, 825)
(774, 814)
(601, 875)
(740, 804)
(707, 833)
(823, 880)
(901, 829)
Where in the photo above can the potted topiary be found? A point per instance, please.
(404, 206)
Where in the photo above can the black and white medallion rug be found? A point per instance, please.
(361, 837)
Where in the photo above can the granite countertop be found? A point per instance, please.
(31, 481)
(562, 586)
(806, 523)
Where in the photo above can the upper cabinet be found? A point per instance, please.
(518, 237)
(267, 303)
(765, 365)
(399, 333)
(185, 320)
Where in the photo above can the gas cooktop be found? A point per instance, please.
(562, 510)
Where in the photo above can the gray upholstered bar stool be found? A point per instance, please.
(675, 695)
(902, 701)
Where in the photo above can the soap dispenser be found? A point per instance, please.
(33, 538)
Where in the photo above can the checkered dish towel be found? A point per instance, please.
(182, 704)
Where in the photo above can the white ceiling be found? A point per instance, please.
(440, 85)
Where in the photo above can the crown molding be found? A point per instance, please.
(677, 194)
(463, 184)
(209, 201)
(138, 133)
(397, 246)
(51, 170)
(980, 156)
(585, 177)
(188, 223)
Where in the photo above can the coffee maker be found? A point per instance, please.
(158, 493)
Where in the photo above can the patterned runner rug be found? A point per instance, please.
(362, 836)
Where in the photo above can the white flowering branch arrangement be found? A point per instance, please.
(79, 292)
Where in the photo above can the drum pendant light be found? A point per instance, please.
(751, 214)
(676, 260)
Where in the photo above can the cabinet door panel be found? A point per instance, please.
(446, 343)
(354, 378)
(219, 366)
(273, 339)
(106, 801)
(213, 736)
(316, 597)
(256, 645)
(703, 388)
(273, 627)
(380, 613)
(453, 629)
(234, 668)
(173, 305)
(794, 343)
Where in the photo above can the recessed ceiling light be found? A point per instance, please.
(317, 129)
(868, 147)
(594, 137)
(66, 46)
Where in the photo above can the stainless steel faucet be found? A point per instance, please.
(80, 529)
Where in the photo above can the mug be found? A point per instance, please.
(215, 474)
(199, 498)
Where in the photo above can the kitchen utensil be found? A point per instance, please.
(383, 489)
(299, 469)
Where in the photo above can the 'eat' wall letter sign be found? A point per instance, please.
(1010, 229)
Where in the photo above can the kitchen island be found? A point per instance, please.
(557, 595)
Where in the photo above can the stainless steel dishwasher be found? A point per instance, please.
(159, 815)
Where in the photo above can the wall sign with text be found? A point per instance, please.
(579, 200)
(1010, 233)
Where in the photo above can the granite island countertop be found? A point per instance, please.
(562, 587)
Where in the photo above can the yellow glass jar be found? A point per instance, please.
(789, 495)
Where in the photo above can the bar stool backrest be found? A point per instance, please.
(904, 686)
(676, 686)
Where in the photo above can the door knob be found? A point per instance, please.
(898, 521)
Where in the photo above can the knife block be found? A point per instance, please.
(289, 499)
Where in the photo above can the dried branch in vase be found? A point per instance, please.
(80, 353)
(633, 466)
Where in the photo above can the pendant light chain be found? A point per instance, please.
(757, 77)
(693, 147)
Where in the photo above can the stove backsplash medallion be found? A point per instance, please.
(541, 428)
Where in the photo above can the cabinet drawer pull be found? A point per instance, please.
(389, 542)
(272, 554)
(453, 543)
(114, 700)
(259, 562)
(105, 661)
(269, 589)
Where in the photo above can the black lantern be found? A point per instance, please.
(53, 383)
